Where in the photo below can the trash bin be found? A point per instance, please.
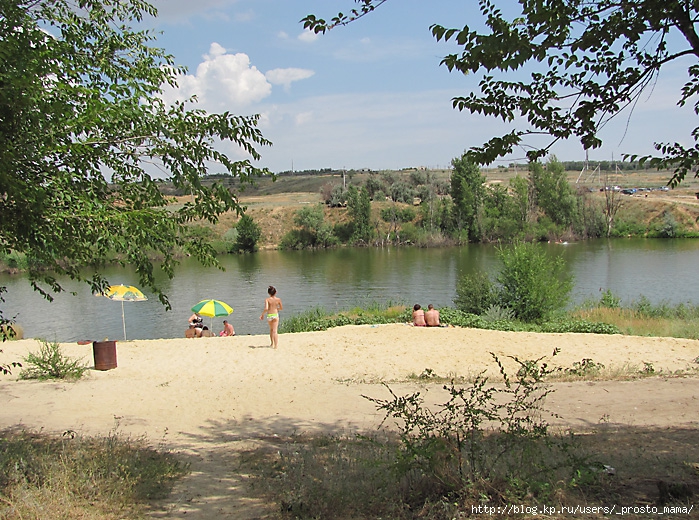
(105, 354)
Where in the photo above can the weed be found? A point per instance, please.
(610, 300)
(648, 368)
(51, 363)
(585, 368)
(497, 313)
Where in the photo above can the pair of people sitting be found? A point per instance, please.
(195, 332)
(425, 319)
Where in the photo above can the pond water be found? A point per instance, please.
(661, 270)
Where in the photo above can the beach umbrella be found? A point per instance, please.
(212, 308)
(124, 293)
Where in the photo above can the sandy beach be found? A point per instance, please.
(208, 398)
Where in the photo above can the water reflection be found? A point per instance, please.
(661, 270)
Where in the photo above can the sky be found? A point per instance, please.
(368, 95)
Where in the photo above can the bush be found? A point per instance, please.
(531, 283)
(490, 441)
(475, 293)
(50, 363)
(609, 300)
(248, 235)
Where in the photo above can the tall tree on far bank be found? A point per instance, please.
(553, 193)
(467, 194)
(84, 130)
(359, 209)
(249, 233)
(565, 68)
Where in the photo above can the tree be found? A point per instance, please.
(467, 193)
(313, 231)
(249, 234)
(83, 132)
(567, 67)
(612, 204)
(553, 193)
(359, 209)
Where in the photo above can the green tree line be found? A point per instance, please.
(418, 209)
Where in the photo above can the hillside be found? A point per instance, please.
(273, 203)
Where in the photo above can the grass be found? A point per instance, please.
(71, 476)
(642, 318)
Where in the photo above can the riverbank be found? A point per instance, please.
(211, 399)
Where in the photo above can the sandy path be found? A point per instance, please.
(209, 398)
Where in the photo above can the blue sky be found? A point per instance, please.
(368, 95)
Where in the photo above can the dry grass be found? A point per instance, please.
(75, 477)
(634, 323)
(352, 477)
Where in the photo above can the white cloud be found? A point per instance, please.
(287, 76)
(308, 36)
(222, 82)
(282, 35)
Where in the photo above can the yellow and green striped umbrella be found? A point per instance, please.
(212, 308)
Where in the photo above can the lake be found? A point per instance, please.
(339, 279)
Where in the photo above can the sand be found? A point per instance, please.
(209, 398)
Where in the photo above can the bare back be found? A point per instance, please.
(273, 305)
(432, 318)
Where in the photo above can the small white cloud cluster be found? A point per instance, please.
(229, 82)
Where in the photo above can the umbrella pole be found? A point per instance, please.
(123, 320)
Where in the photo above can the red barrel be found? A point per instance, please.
(105, 354)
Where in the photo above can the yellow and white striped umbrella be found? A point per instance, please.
(124, 293)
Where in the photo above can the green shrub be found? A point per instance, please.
(475, 293)
(579, 326)
(609, 300)
(531, 283)
(51, 363)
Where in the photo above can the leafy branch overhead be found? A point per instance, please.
(567, 67)
(85, 134)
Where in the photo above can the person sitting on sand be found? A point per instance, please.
(228, 329)
(206, 333)
(191, 332)
(418, 316)
(198, 323)
(432, 316)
